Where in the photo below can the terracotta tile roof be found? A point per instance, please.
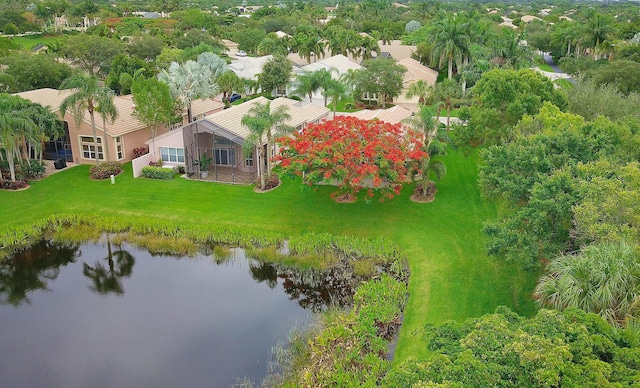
(230, 119)
(46, 97)
(397, 50)
(393, 115)
(417, 71)
(339, 62)
(124, 123)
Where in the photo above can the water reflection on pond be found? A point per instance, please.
(101, 314)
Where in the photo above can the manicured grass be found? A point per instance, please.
(30, 42)
(342, 103)
(542, 65)
(564, 83)
(451, 277)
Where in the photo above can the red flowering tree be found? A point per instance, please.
(356, 154)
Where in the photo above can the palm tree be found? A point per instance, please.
(228, 83)
(434, 144)
(306, 84)
(255, 140)
(602, 279)
(88, 96)
(598, 29)
(335, 90)
(109, 113)
(263, 122)
(420, 89)
(369, 46)
(193, 79)
(451, 42)
(443, 94)
(350, 80)
(12, 128)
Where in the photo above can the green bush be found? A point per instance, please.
(32, 168)
(105, 170)
(157, 173)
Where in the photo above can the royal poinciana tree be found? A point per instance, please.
(355, 154)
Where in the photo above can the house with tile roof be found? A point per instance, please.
(122, 136)
(416, 71)
(393, 115)
(221, 135)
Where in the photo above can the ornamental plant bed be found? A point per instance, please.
(17, 185)
(103, 171)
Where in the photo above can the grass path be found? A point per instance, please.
(451, 276)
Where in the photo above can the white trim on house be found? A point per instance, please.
(88, 147)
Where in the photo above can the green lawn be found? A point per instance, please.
(542, 65)
(564, 83)
(342, 105)
(30, 42)
(451, 276)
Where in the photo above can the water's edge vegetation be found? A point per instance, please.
(348, 346)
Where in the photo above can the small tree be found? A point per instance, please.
(263, 121)
(355, 153)
(382, 77)
(154, 105)
(276, 74)
(434, 140)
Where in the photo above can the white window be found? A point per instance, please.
(119, 148)
(90, 148)
(248, 161)
(225, 156)
(174, 155)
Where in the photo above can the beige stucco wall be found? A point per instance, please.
(130, 141)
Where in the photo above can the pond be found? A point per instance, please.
(100, 314)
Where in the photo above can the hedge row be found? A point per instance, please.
(157, 173)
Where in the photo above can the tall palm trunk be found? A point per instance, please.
(450, 67)
(11, 159)
(260, 165)
(106, 140)
(269, 141)
(95, 135)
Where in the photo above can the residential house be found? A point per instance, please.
(336, 65)
(393, 115)
(416, 71)
(221, 135)
(396, 50)
(123, 135)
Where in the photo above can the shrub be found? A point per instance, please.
(32, 168)
(138, 152)
(157, 173)
(7, 184)
(105, 170)
(271, 181)
(179, 169)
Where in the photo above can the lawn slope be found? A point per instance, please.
(452, 278)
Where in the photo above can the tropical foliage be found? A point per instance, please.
(603, 278)
(264, 125)
(89, 96)
(551, 349)
(23, 127)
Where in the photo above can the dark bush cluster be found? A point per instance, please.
(157, 173)
(105, 170)
(139, 151)
(32, 168)
(7, 184)
(271, 181)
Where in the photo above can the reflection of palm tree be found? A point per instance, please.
(109, 280)
(32, 270)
